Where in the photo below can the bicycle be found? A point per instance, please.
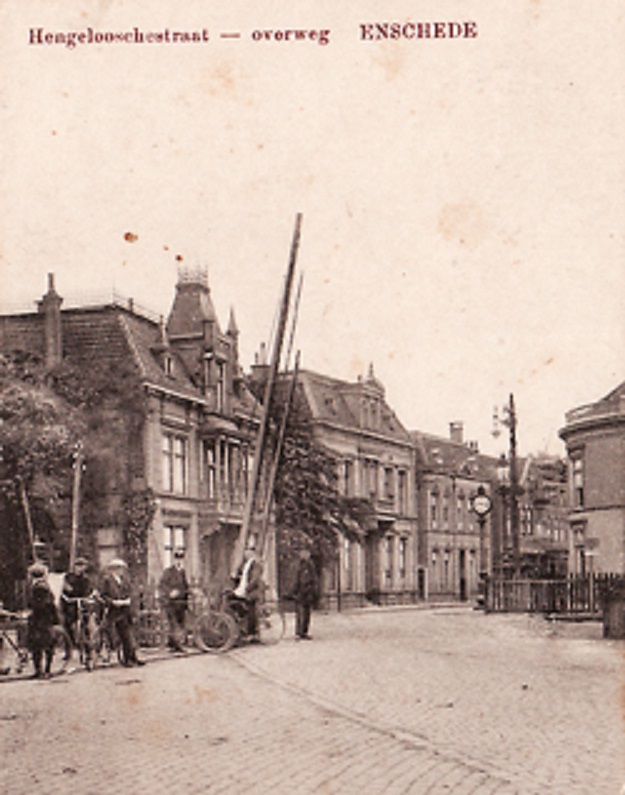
(14, 655)
(218, 629)
(14, 633)
(85, 628)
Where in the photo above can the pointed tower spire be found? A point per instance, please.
(233, 329)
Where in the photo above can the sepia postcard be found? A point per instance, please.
(447, 180)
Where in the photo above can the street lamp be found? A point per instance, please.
(508, 476)
(481, 506)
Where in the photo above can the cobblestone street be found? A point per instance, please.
(404, 701)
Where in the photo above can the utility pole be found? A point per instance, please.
(78, 465)
(511, 490)
(514, 490)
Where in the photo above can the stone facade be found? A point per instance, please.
(595, 441)
(375, 459)
(454, 547)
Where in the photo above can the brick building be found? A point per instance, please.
(453, 546)
(186, 444)
(375, 460)
(594, 435)
(543, 508)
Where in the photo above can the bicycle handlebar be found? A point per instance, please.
(8, 614)
(93, 597)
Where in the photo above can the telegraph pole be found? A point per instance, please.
(514, 490)
(509, 488)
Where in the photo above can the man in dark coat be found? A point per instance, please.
(174, 591)
(115, 592)
(76, 585)
(305, 594)
(41, 621)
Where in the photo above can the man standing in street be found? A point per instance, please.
(76, 585)
(116, 595)
(251, 588)
(174, 592)
(305, 593)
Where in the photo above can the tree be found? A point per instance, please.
(309, 508)
(38, 437)
(98, 405)
(113, 400)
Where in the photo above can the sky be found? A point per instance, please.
(462, 199)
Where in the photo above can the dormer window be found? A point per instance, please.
(168, 365)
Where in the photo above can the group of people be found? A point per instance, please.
(246, 596)
(114, 595)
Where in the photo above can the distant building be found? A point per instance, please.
(375, 460)
(594, 435)
(454, 548)
(543, 508)
(183, 448)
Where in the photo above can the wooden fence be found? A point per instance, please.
(576, 595)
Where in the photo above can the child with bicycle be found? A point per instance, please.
(41, 621)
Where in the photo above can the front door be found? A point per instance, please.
(372, 564)
(462, 558)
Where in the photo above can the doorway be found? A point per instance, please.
(462, 562)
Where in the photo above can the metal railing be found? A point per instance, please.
(575, 595)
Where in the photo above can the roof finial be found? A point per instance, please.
(233, 329)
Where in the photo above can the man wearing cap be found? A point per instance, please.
(76, 585)
(115, 592)
(174, 592)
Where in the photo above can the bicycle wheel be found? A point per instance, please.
(103, 646)
(270, 625)
(13, 657)
(215, 632)
(87, 645)
(62, 651)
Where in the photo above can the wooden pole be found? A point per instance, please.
(252, 495)
(78, 462)
(276, 459)
(27, 516)
(285, 416)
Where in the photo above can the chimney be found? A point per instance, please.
(260, 368)
(50, 308)
(456, 432)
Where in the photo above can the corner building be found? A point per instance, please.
(594, 435)
(192, 448)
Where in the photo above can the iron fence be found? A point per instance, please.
(574, 595)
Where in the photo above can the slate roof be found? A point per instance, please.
(439, 454)
(337, 402)
(111, 333)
